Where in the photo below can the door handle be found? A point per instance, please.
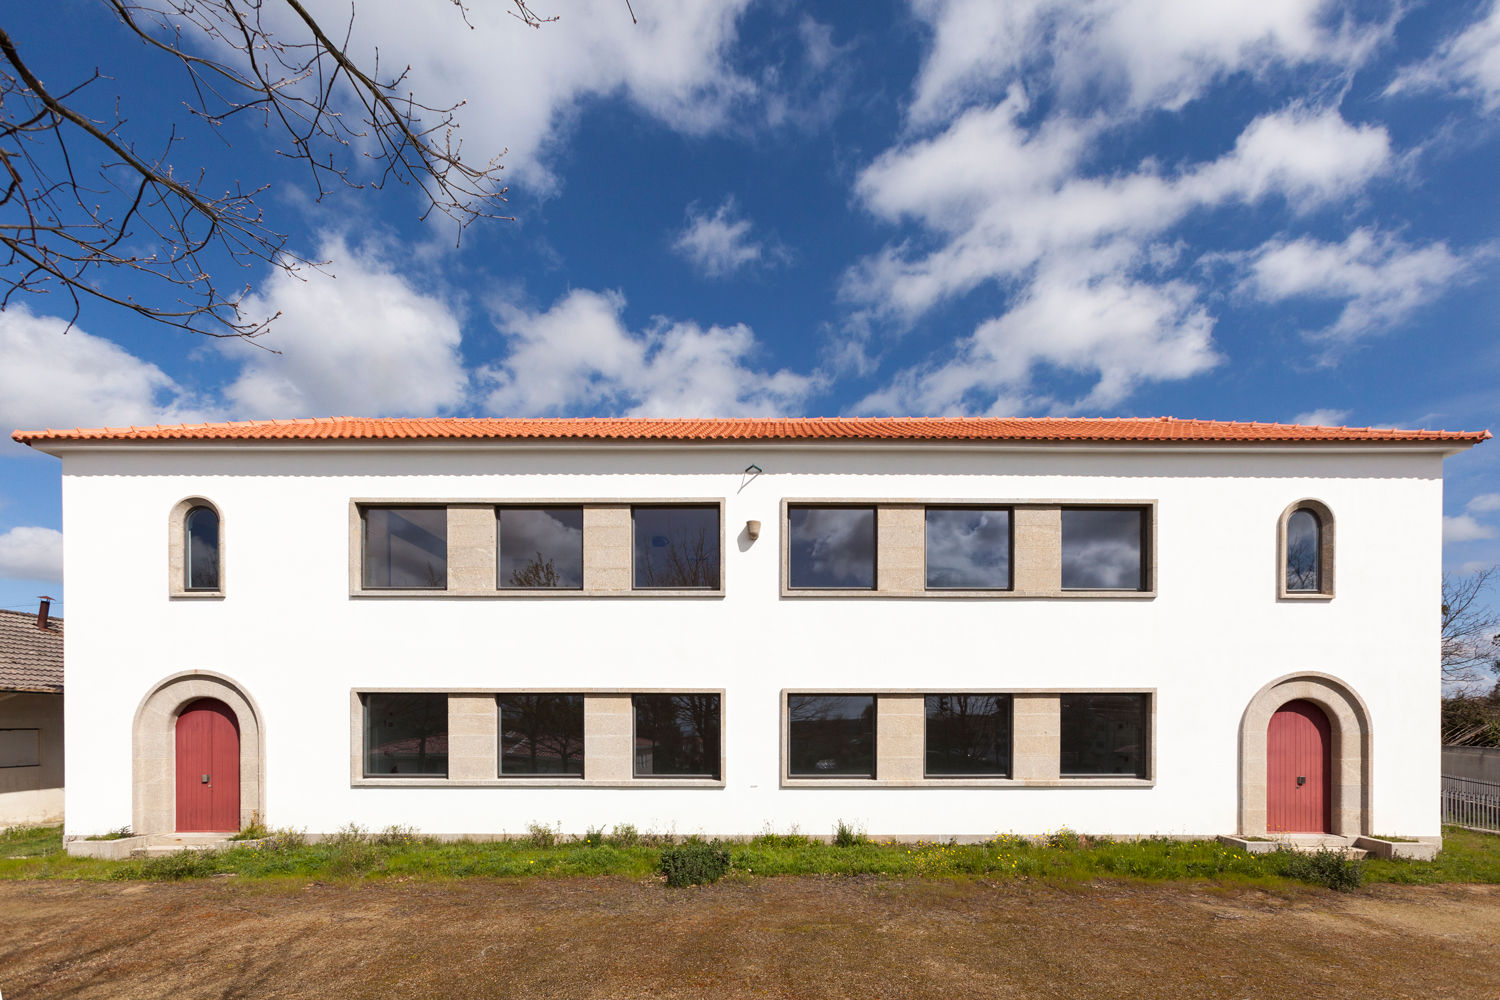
(205, 780)
(1301, 780)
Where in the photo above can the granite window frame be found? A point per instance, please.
(178, 551)
(1327, 551)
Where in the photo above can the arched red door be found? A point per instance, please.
(1298, 785)
(208, 768)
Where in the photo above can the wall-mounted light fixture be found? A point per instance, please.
(752, 530)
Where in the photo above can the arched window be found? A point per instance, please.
(201, 549)
(1306, 544)
(195, 549)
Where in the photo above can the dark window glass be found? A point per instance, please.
(406, 547)
(831, 547)
(968, 548)
(541, 734)
(1302, 543)
(202, 527)
(677, 735)
(831, 735)
(406, 734)
(968, 734)
(1102, 548)
(676, 548)
(1104, 734)
(541, 548)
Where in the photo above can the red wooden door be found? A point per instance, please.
(1298, 744)
(208, 768)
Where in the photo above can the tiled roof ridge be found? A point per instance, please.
(1119, 429)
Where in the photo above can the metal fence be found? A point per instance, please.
(1472, 804)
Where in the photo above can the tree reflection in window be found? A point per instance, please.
(676, 548)
(202, 529)
(406, 734)
(541, 548)
(831, 735)
(677, 735)
(968, 734)
(541, 734)
(1303, 541)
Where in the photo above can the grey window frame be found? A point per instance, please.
(364, 548)
(1145, 770)
(1010, 753)
(1010, 542)
(500, 510)
(717, 775)
(1145, 581)
(717, 587)
(837, 590)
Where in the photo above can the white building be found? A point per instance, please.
(917, 626)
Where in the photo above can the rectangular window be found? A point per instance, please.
(830, 548)
(968, 548)
(20, 747)
(406, 734)
(676, 735)
(831, 735)
(1104, 734)
(406, 548)
(541, 548)
(1103, 548)
(541, 734)
(968, 735)
(676, 548)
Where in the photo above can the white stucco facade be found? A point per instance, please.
(289, 634)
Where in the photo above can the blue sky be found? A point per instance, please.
(1270, 211)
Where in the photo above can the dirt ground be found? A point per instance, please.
(783, 937)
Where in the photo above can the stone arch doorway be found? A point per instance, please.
(155, 752)
(1347, 778)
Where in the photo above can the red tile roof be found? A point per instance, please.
(1083, 429)
(30, 659)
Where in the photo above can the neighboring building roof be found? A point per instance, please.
(978, 429)
(31, 659)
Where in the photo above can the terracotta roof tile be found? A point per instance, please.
(30, 659)
(1082, 429)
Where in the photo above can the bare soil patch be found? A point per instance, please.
(780, 937)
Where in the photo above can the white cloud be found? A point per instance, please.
(1468, 64)
(578, 356)
(360, 339)
(523, 88)
(720, 244)
(1381, 280)
(1082, 257)
(1326, 417)
(1464, 528)
(1140, 53)
(31, 554)
(52, 378)
(1121, 332)
(1484, 503)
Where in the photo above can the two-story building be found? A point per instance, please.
(921, 627)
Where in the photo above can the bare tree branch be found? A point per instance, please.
(1471, 630)
(84, 211)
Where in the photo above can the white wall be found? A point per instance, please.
(1213, 635)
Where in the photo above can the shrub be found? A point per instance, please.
(349, 833)
(845, 835)
(172, 867)
(694, 863)
(396, 835)
(286, 837)
(593, 836)
(1335, 869)
(1065, 839)
(253, 830)
(117, 834)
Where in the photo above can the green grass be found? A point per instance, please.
(353, 854)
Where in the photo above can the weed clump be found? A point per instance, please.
(694, 863)
(845, 835)
(1334, 869)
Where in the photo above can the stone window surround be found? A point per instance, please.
(473, 547)
(177, 550)
(1036, 549)
(474, 740)
(1326, 552)
(1036, 740)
